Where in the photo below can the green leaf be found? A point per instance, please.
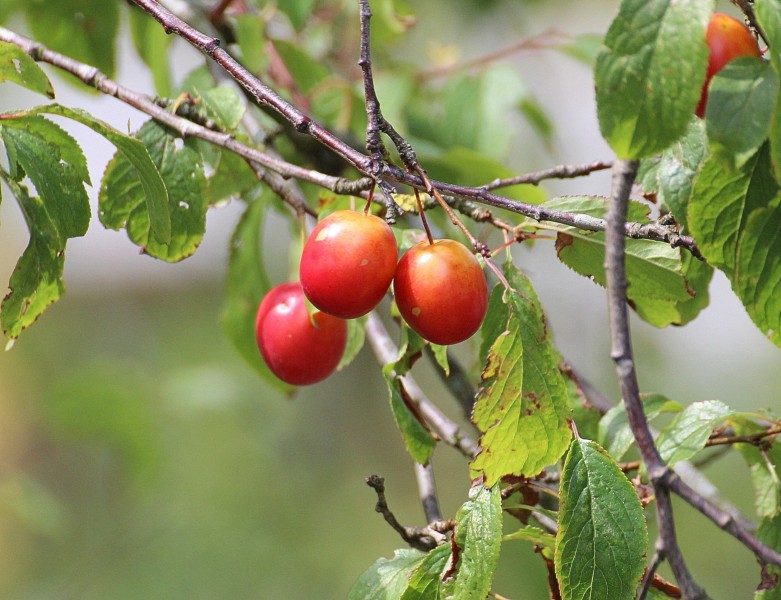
(356, 335)
(522, 407)
(417, 438)
(763, 466)
(307, 72)
(646, 93)
(735, 217)
(231, 178)
(18, 67)
(250, 34)
(54, 162)
(426, 581)
(133, 151)
(152, 43)
(440, 356)
(583, 47)
(721, 203)
(82, 29)
(36, 281)
(672, 177)
(478, 537)
(298, 11)
(615, 434)
(495, 322)
(602, 537)
(123, 203)
(245, 285)
(768, 13)
(687, 434)
(664, 287)
(225, 106)
(387, 578)
(769, 533)
(741, 103)
(482, 170)
(758, 276)
(535, 535)
(661, 313)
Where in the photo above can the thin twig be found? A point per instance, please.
(557, 172)
(621, 352)
(422, 538)
(340, 185)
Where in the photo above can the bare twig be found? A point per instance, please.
(421, 538)
(557, 172)
(748, 10)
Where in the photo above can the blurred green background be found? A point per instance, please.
(140, 458)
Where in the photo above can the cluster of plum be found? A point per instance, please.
(348, 264)
(351, 259)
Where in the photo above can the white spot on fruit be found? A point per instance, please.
(364, 262)
(322, 235)
(416, 311)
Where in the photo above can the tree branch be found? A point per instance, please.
(386, 351)
(92, 77)
(621, 352)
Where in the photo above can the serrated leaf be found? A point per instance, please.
(646, 94)
(768, 13)
(17, 66)
(721, 202)
(54, 162)
(616, 436)
(735, 217)
(495, 322)
(522, 407)
(757, 280)
(134, 151)
(151, 42)
(387, 578)
(665, 285)
(36, 281)
(82, 29)
(672, 177)
(426, 581)
(478, 537)
(602, 536)
(246, 283)
(123, 203)
(741, 103)
(419, 441)
(687, 434)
